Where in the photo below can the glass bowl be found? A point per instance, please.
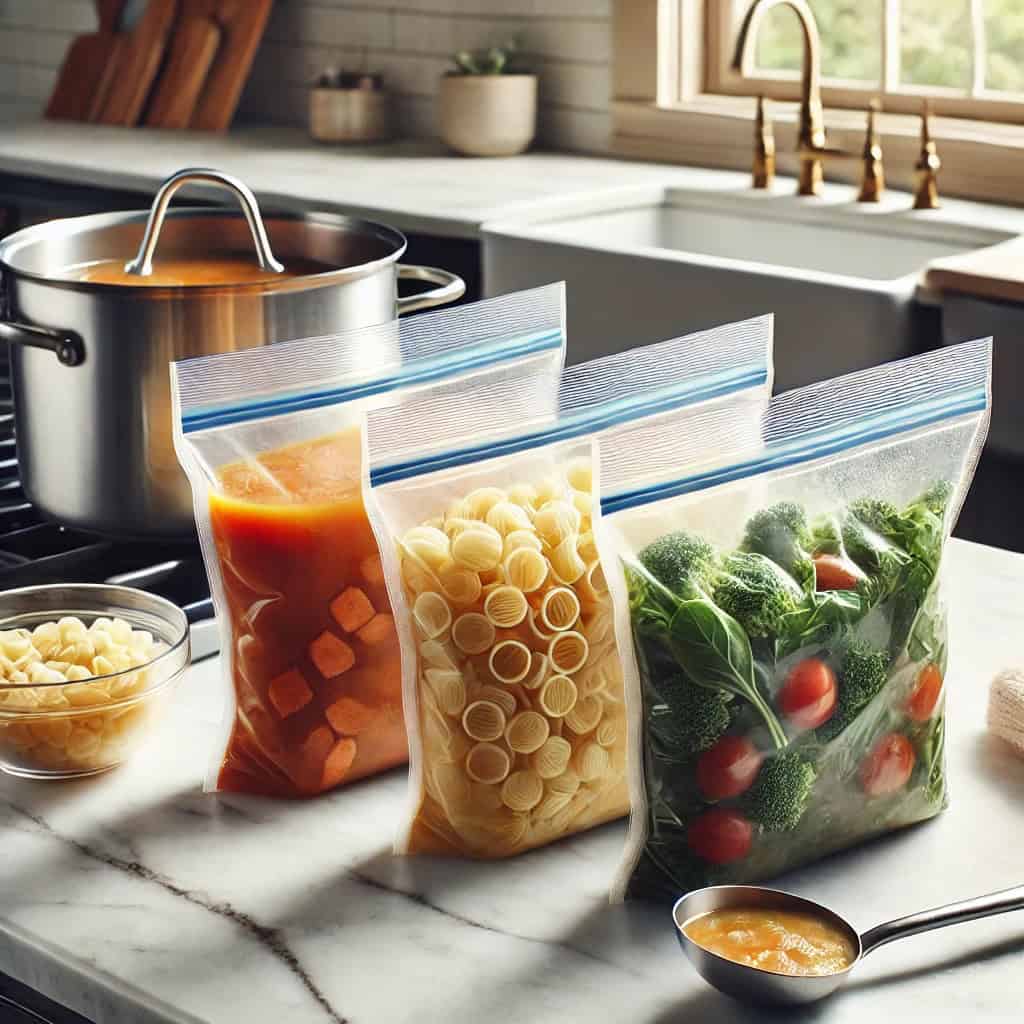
(56, 727)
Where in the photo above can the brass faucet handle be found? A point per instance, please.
(926, 193)
(764, 147)
(872, 184)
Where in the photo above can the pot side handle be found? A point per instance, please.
(66, 345)
(452, 288)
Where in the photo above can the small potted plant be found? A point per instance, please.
(487, 106)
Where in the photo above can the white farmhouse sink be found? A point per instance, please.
(840, 277)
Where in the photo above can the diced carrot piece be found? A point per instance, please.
(338, 762)
(372, 570)
(377, 630)
(351, 609)
(349, 717)
(317, 745)
(289, 692)
(331, 655)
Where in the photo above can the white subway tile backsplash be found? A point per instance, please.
(567, 42)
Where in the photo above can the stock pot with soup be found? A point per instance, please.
(95, 308)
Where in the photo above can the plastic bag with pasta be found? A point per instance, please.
(487, 516)
(271, 441)
(784, 623)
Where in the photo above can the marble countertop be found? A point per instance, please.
(416, 186)
(134, 898)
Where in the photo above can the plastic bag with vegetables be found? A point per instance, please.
(486, 517)
(271, 441)
(786, 617)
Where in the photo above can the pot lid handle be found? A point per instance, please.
(143, 262)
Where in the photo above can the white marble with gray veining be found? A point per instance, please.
(136, 899)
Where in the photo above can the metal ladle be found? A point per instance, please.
(753, 985)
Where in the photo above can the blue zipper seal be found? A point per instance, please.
(572, 425)
(419, 371)
(810, 446)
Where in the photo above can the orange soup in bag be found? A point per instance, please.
(317, 671)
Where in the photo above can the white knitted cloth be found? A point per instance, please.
(1006, 707)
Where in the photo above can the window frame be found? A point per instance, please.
(664, 109)
(897, 97)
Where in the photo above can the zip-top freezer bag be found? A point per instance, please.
(485, 515)
(786, 697)
(270, 439)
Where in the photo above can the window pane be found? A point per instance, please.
(851, 33)
(1004, 35)
(936, 43)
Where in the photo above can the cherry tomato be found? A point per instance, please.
(831, 572)
(720, 836)
(808, 696)
(926, 694)
(728, 768)
(887, 768)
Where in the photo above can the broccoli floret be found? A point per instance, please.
(827, 536)
(862, 674)
(781, 533)
(690, 718)
(867, 545)
(936, 498)
(778, 798)
(756, 592)
(679, 561)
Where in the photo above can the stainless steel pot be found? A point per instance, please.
(89, 361)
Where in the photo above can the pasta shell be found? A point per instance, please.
(585, 715)
(483, 720)
(607, 733)
(538, 671)
(472, 633)
(551, 805)
(568, 652)
(503, 698)
(523, 494)
(510, 661)
(551, 759)
(458, 510)
(478, 549)
(482, 500)
(506, 606)
(583, 504)
(539, 633)
(567, 783)
(432, 614)
(417, 577)
(527, 732)
(428, 544)
(526, 569)
(599, 624)
(460, 586)
(556, 522)
(580, 474)
(601, 675)
(586, 545)
(594, 583)
(522, 539)
(488, 763)
(454, 525)
(522, 790)
(592, 762)
(506, 517)
(449, 688)
(559, 609)
(549, 489)
(558, 697)
(436, 654)
(566, 564)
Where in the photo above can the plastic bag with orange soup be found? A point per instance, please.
(487, 517)
(271, 441)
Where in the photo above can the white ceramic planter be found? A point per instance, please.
(488, 115)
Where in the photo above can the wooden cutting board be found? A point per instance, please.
(88, 69)
(190, 54)
(993, 273)
(241, 23)
(139, 64)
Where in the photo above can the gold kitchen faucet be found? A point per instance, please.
(812, 147)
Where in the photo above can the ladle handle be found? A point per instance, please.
(143, 262)
(939, 917)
